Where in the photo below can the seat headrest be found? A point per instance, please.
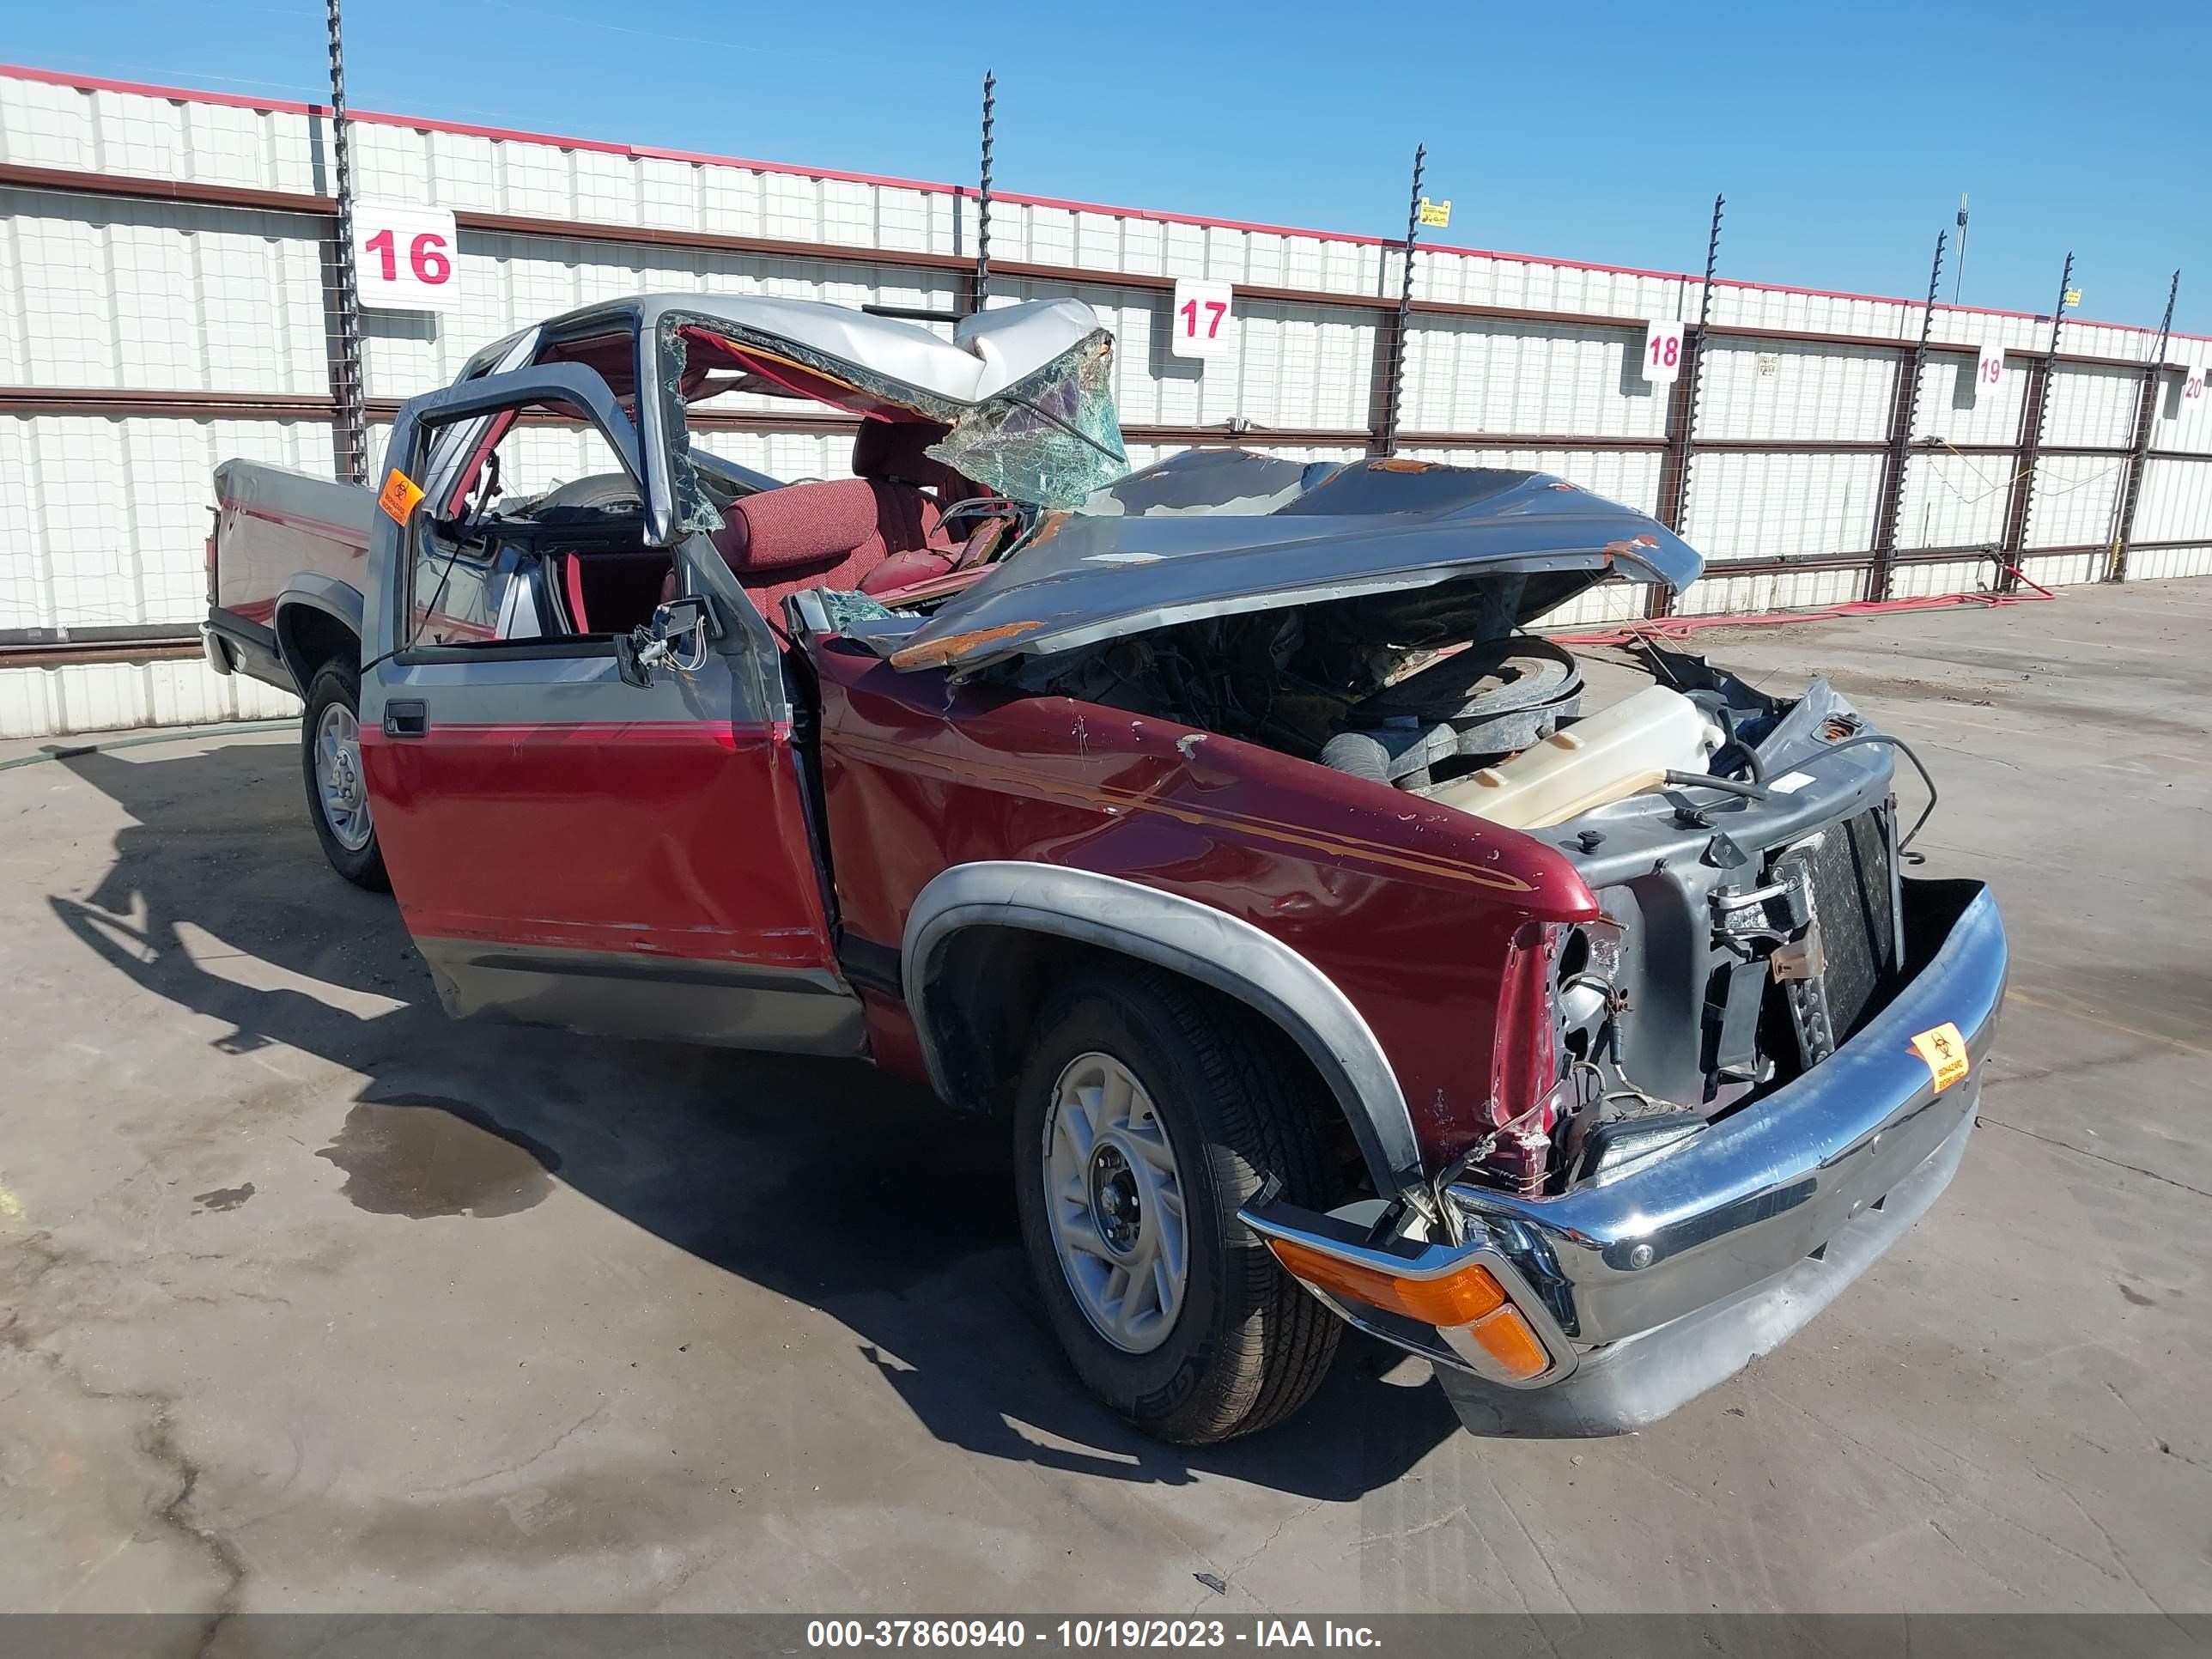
(895, 450)
(799, 523)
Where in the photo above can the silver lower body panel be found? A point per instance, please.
(658, 999)
(1627, 1384)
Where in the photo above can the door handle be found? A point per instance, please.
(406, 719)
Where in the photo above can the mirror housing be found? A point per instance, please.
(674, 621)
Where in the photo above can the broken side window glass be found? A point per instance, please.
(843, 608)
(695, 509)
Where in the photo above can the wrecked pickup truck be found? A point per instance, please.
(1336, 949)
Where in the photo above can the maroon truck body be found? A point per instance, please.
(1410, 907)
(1163, 814)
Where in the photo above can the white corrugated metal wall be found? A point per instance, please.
(162, 305)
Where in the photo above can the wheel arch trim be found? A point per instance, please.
(340, 601)
(1186, 937)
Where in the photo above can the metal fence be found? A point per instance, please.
(167, 282)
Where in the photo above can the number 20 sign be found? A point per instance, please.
(1199, 324)
(403, 257)
(1662, 350)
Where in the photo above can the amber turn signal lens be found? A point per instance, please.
(1506, 1338)
(1456, 1298)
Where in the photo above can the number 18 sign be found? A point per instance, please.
(403, 257)
(1199, 324)
(1662, 350)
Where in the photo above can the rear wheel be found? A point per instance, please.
(1146, 1113)
(337, 792)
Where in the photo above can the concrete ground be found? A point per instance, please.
(313, 1299)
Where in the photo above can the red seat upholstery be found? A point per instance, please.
(903, 571)
(838, 534)
(878, 531)
(572, 573)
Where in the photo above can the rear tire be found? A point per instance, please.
(603, 492)
(1246, 1346)
(337, 793)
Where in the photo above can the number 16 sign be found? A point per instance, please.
(403, 257)
(1199, 324)
(1663, 351)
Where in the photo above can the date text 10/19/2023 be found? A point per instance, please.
(1084, 1634)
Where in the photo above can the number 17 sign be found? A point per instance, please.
(1199, 324)
(403, 257)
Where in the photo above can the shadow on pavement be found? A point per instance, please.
(823, 1181)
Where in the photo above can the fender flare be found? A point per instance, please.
(340, 601)
(1187, 938)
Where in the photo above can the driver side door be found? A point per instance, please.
(569, 846)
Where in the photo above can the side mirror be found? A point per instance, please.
(678, 635)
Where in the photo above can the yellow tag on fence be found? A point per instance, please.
(1944, 1051)
(400, 495)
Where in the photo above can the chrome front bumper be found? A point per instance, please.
(1680, 1270)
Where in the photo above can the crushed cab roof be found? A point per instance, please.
(1216, 533)
(1020, 388)
(988, 351)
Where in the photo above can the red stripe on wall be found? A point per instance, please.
(424, 123)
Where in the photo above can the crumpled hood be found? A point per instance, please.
(1216, 533)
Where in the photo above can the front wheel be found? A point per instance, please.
(1146, 1113)
(337, 792)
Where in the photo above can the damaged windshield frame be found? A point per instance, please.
(975, 443)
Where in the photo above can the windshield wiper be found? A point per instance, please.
(1076, 432)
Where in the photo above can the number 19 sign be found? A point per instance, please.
(1199, 325)
(1662, 350)
(404, 259)
(1989, 366)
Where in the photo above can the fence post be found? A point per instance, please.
(352, 394)
(1386, 442)
(2124, 509)
(2035, 416)
(1682, 406)
(1904, 416)
(983, 197)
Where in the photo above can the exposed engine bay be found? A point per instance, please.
(1744, 848)
(1412, 689)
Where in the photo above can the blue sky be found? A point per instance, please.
(1842, 135)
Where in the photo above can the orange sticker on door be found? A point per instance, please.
(1944, 1051)
(399, 496)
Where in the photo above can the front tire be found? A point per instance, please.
(1146, 1113)
(338, 793)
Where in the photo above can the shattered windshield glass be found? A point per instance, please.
(1046, 441)
(1049, 440)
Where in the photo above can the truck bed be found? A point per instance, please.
(276, 531)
